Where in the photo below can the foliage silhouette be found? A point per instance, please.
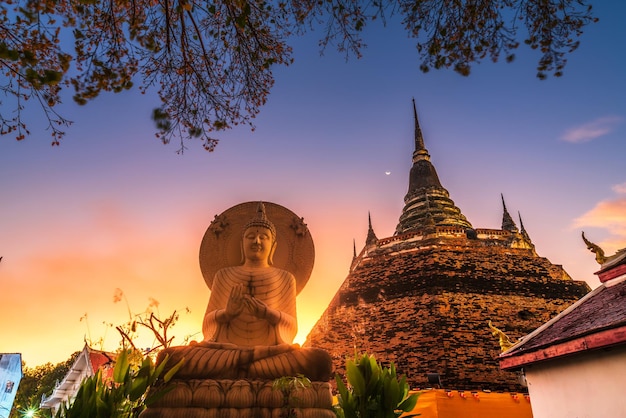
(124, 395)
(373, 391)
(212, 62)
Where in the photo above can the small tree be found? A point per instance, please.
(126, 393)
(150, 319)
(373, 391)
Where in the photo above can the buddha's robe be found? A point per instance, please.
(246, 346)
(274, 287)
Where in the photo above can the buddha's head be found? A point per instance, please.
(259, 238)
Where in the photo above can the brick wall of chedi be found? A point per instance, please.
(427, 311)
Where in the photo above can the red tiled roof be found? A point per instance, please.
(596, 321)
(614, 267)
(98, 359)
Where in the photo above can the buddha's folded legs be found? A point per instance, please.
(224, 361)
(202, 362)
(313, 363)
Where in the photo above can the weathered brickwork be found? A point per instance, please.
(426, 309)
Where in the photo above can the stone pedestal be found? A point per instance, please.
(243, 398)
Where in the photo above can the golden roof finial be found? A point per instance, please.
(600, 258)
(505, 342)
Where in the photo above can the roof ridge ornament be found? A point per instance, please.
(600, 257)
(503, 339)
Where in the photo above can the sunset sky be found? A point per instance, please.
(114, 208)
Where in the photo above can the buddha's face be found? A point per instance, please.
(257, 243)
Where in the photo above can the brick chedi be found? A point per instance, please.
(423, 297)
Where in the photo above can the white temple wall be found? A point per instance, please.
(589, 385)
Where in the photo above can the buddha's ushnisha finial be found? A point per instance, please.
(260, 219)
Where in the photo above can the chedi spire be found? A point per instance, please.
(426, 203)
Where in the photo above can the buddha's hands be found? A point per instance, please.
(256, 307)
(236, 301)
(260, 310)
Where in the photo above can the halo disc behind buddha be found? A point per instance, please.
(221, 244)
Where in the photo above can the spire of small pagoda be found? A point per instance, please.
(522, 229)
(371, 236)
(427, 203)
(508, 224)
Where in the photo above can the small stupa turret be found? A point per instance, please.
(371, 236)
(522, 229)
(508, 224)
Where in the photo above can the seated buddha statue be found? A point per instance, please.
(250, 321)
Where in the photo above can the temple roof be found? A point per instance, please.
(596, 321)
(88, 362)
(427, 202)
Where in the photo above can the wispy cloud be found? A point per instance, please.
(620, 188)
(592, 130)
(610, 215)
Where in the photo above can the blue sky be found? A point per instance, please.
(113, 208)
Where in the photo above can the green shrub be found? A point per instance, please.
(373, 391)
